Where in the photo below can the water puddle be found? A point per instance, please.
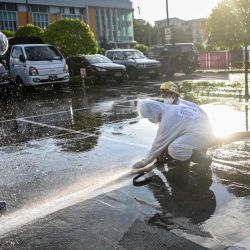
(59, 160)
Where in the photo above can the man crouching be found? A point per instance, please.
(184, 134)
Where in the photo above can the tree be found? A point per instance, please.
(144, 32)
(29, 30)
(72, 37)
(229, 26)
(141, 32)
(200, 47)
(8, 33)
(143, 48)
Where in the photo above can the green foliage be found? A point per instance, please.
(144, 32)
(143, 48)
(210, 88)
(229, 24)
(29, 30)
(101, 51)
(200, 47)
(72, 37)
(194, 86)
(236, 84)
(8, 33)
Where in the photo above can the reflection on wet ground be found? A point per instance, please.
(63, 154)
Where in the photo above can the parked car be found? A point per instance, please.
(98, 68)
(136, 63)
(178, 57)
(32, 64)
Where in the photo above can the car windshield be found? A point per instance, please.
(133, 54)
(39, 53)
(93, 59)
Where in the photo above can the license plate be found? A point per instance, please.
(52, 77)
(118, 74)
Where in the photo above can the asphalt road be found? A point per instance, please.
(65, 161)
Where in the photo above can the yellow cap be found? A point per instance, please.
(169, 87)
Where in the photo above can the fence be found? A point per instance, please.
(222, 60)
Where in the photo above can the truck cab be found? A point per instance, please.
(33, 64)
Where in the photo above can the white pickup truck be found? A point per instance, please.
(33, 64)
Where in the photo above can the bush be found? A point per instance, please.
(29, 30)
(8, 33)
(101, 51)
(72, 37)
(143, 48)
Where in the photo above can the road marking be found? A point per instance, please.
(48, 114)
(83, 133)
(105, 203)
(60, 112)
(53, 127)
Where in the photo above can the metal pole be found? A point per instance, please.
(167, 13)
(246, 74)
(246, 111)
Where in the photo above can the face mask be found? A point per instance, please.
(169, 100)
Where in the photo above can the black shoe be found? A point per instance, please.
(176, 163)
(201, 158)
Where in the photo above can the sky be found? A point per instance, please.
(152, 10)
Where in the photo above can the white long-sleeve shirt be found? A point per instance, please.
(174, 122)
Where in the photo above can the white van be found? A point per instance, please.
(37, 64)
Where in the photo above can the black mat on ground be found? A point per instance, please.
(142, 236)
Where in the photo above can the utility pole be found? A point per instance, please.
(167, 13)
(167, 28)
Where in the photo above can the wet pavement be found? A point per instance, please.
(65, 162)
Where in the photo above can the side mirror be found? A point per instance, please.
(22, 58)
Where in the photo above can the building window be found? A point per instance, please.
(8, 20)
(39, 8)
(72, 16)
(125, 31)
(8, 6)
(62, 10)
(72, 10)
(82, 11)
(41, 20)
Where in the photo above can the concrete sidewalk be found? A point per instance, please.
(154, 216)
